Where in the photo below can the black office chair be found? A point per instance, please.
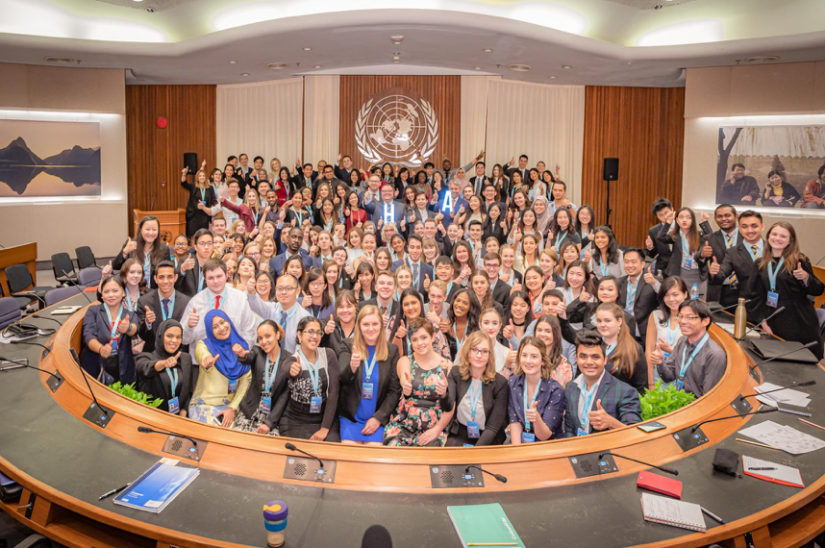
(63, 269)
(21, 284)
(85, 257)
(22, 302)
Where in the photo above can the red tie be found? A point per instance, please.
(217, 302)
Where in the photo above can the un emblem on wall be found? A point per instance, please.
(397, 126)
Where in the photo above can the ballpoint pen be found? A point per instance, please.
(113, 491)
(711, 515)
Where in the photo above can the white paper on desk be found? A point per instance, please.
(787, 396)
(755, 334)
(786, 474)
(785, 438)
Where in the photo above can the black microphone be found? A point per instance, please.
(722, 309)
(499, 477)
(39, 317)
(30, 343)
(292, 447)
(77, 285)
(809, 345)
(376, 536)
(775, 313)
(662, 468)
(7, 368)
(768, 410)
(147, 430)
(807, 383)
(31, 294)
(84, 374)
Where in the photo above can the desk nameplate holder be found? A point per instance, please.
(688, 439)
(302, 469)
(97, 417)
(741, 406)
(184, 448)
(589, 465)
(455, 476)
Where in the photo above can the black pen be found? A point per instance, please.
(762, 468)
(113, 491)
(711, 515)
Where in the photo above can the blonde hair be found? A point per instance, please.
(359, 344)
(463, 358)
(626, 353)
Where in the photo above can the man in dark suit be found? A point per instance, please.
(740, 260)
(421, 271)
(521, 168)
(726, 291)
(344, 169)
(293, 247)
(656, 248)
(596, 400)
(303, 176)
(190, 272)
(480, 179)
(500, 289)
(328, 178)
(158, 305)
(243, 173)
(389, 210)
(384, 291)
(636, 296)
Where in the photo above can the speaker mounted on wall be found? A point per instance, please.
(610, 171)
(190, 160)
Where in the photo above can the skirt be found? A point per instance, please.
(204, 412)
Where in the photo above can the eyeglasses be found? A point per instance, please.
(317, 283)
(480, 352)
(313, 333)
(688, 318)
(285, 288)
(205, 244)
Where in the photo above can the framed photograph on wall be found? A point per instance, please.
(771, 166)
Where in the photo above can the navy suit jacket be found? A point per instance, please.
(620, 400)
(276, 263)
(376, 211)
(96, 326)
(426, 270)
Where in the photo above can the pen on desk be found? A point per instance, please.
(809, 423)
(758, 444)
(113, 491)
(711, 515)
(762, 469)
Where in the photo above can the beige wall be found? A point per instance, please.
(784, 94)
(71, 94)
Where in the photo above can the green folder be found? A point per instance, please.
(483, 523)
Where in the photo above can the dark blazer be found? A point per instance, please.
(674, 263)
(501, 293)
(717, 244)
(276, 263)
(118, 260)
(281, 399)
(661, 249)
(96, 326)
(620, 400)
(737, 260)
(257, 359)
(585, 313)
(245, 179)
(388, 392)
(495, 398)
(188, 281)
(479, 182)
(152, 300)
(374, 301)
(157, 384)
(424, 270)
(376, 211)
(646, 302)
(335, 340)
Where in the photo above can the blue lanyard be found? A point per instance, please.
(299, 215)
(631, 295)
(773, 273)
(686, 363)
(314, 374)
(611, 348)
(532, 400)
(560, 238)
(113, 323)
(368, 367)
(685, 247)
(254, 215)
(173, 378)
(147, 267)
(203, 195)
(129, 300)
(671, 336)
(201, 277)
(463, 337)
(270, 372)
(604, 270)
(475, 395)
(171, 306)
(449, 288)
(588, 402)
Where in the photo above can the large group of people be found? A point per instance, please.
(454, 306)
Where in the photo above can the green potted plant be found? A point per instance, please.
(663, 399)
(132, 393)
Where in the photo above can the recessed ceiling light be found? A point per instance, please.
(552, 77)
(488, 50)
(60, 60)
(317, 66)
(277, 66)
(244, 74)
(232, 62)
(307, 49)
(566, 67)
(476, 68)
(137, 0)
(397, 38)
(519, 68)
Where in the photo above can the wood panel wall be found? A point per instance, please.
(443, 92)
(154, 155)
(644, 128)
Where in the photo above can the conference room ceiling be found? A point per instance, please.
(603, 42)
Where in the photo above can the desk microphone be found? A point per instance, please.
(31, 294)
(672, 471)
(77, 285)
(292, 447)
(39, 317)
(722, 309)
(499, 477)
(772, 316)
(757, 364)
(46, 348)
(18, 365)
(147, 430)
(84, 375)
(808, 383)
(768, 410)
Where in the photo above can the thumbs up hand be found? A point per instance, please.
(649, 243)
(800, 273)
(355, 360)
(714, 267)
(441, 384)
(209, 360)
(239, 350)
(426, 282)
(657, 356)
(307, 300)
(106, 271)
(250, 286)
(330, 327)
(406, 383)
(131, 245)
(295, 368)
(123, 325)
(172, 361)
(401, 332)
(707, 251)
(532, 414)
(150, 316)
(600, 419)
(509, 330)
(194, 318)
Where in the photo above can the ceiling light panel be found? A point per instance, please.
(650, 4)
(156, 5)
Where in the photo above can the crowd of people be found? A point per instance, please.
(453, 306)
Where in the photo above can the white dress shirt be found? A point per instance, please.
(288, 319)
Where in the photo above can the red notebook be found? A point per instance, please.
(660, 484)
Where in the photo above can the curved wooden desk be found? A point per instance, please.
(241, 471)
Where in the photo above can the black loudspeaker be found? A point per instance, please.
(611, 169)
(190, 160)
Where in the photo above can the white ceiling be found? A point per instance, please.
(606, 42)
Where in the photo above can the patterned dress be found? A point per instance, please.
(418, 412)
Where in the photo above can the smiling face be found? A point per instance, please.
(422, 342)
(480, 286)
(674, 297)
(461, 305)
(508, 257)
(365, 279)
(331, 275)
(490, 323)
(404, 279)
(519, 308)
(149, 231)
(172, 338)
(751, 229)
(544, 331)
(779, 238)
(295, 268)
(529, 246)
(461, 254)
(532, 281)
(385, 286)
(691, 324)
(411, 306)
(602, 240)
(220, 328)
(608, 292)
(370, 326)
(112, 293)
(725, 218)
(607, 324)
(369, 243)
(263, 286)
(310, 337)
(134, 275)
(540, 206)
(165, 279)
(575, 277)
(530, 360)
(529, 219)
(479, 354)
(268, 338)
(590, 360)
(345, 311)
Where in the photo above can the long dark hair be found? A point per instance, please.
(526, 298)
(667, 285)
(315, 274)
(400, 316)
(156, 255)
(612, 245)
(473, 314)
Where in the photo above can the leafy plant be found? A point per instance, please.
(132, 393)
(663, 399)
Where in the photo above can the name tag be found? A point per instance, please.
(687, 263)
(174, 406)
(267, 401)
(581, 432)
(315, 404)
(473, 431)
(367, 390)
(679, 384)
(233, 386)
(527, 437)
(114, 346)
(469, 445)
(773, 299)
(583, 253)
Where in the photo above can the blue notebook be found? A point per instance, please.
(158, 486)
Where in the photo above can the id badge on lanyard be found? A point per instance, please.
(315, 404)
(174, 406)
(267, 402)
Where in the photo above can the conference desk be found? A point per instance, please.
(64, 464)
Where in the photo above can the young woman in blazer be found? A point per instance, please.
(624, 357)
(340, 325)
(537, 401)
(167, 372)
(686, 242)
(108, 329)
(480, 395)
(147, 248)
(370, 388)
(201, 204)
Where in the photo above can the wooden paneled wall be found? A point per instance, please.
(154, 155)
(644, 128)
(443, 92)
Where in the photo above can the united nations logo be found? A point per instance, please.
(397, 126)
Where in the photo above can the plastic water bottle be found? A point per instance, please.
(694, 292)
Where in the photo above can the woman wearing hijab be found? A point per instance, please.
(223, 380)
(166, 372)
(543, 216)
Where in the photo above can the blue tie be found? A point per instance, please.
(282, 319)
(165, 308)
